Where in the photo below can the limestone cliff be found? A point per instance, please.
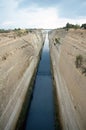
(65, 46)
(19, 56)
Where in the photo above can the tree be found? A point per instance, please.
(68, 26)
(76, 26)
(83, 26)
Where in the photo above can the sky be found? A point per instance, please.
(41, 13)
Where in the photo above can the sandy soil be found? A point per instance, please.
(16, 55)
(69, 78)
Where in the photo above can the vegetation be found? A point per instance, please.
(17, 29)
(84, 70)
(81, 63)
(4, 58)
(4, 31)
(83, 26)
(19, 32)
(57, 41)
(74, 26)
(78, 61)
(68, 26)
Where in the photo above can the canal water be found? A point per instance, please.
(41, 112)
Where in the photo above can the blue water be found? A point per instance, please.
(41, 112)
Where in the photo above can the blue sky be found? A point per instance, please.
(41, 13)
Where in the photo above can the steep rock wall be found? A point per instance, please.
(70, 82)
(18, 61)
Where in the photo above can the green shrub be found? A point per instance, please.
(78, 61)
(57, 40)
(68, 26)
(83, 26)
(84, 70)
(4, 31)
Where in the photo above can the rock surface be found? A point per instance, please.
(19, 56)
(70, 82)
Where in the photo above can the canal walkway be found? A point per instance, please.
(41, 112)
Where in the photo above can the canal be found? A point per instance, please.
(41, 111)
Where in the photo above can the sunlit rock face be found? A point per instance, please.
(65, 47)
(18, 59)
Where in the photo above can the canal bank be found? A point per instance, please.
(20, 125)
(60, 64)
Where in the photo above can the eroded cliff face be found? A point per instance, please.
(19, 56)
(65, 47)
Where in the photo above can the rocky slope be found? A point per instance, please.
(19, 55)
(65, 47)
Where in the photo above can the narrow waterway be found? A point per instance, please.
(41, 112)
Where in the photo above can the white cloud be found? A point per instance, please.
(39, 17)
(8, 23)
(33, 17)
